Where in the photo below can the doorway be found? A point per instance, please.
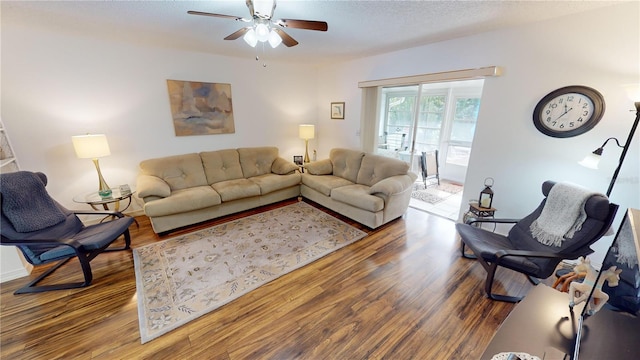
(431, 118)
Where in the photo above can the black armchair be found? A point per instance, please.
(46, 232)
(522, 252)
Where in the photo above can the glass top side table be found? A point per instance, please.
(94, 199)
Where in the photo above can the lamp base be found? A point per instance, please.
(306, 151)
(105, 193)
(103, 189)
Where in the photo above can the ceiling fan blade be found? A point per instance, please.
(237, 18)
(303, 24)
(286, 39)
(238, 33)
(250, 6)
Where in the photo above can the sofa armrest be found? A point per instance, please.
(283, 167)
(321, 167)
(392, 185)
(148, 185)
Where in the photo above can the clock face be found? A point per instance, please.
(569, 111)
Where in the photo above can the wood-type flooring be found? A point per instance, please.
(402, 292)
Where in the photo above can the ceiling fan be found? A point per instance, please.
(262, 27)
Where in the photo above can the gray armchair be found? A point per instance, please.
(522, 252)
(45, 232)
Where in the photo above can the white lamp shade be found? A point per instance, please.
(262, 32)
(274, 39)
(307, 131)
(250, 38)
(590, 161)
(633, 91)
(91, 146)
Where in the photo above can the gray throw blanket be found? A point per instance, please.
(26, 203)
(562, 215)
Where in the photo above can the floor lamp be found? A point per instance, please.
(592, 160)
(610, 259)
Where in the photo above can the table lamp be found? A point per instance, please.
(93, 146)
(307, 132)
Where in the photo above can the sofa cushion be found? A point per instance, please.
(236, 189)
(322, 167)
(346, 163)
(324, 183)
(257, 161)
(221, 165)
(180, 171)
(271, 182)
(375, 168)
(281, 166)
(358, 195)
(198, 197)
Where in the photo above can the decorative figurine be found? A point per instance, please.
(579, 291)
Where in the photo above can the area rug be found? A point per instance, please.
(183, 278)
(434, 194)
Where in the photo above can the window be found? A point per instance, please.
(436, 122)
(444, 120)
(463, 127)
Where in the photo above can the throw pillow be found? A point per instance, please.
(322, 167)
(282, 167)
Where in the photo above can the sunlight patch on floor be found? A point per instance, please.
(448, 208)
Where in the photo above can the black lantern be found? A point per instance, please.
(486, 195)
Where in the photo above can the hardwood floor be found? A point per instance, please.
(402, 292)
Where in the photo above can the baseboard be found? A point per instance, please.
(13, 274)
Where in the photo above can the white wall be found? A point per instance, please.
(56, 85)
(600, 49)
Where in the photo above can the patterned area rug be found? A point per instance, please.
(434, 194)
(182, 278)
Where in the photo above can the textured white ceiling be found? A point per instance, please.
(356, 28)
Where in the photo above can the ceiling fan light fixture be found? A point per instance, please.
(251, 38)
(274, 39)
(262, 27)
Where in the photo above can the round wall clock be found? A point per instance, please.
(568, 111)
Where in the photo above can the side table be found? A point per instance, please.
(94, 199)
(476, 211)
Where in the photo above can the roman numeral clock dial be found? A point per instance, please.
(568, 111)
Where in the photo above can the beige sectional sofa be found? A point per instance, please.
(187, 189)
(368, 188)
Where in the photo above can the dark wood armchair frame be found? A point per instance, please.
(83, 256)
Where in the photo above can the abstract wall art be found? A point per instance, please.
(200, 108)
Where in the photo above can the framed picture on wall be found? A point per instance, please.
(337, 110)
(200, 108)
(297, 159)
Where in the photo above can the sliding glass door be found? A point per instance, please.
(427, 117)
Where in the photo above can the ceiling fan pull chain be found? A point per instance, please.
(264, 63)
